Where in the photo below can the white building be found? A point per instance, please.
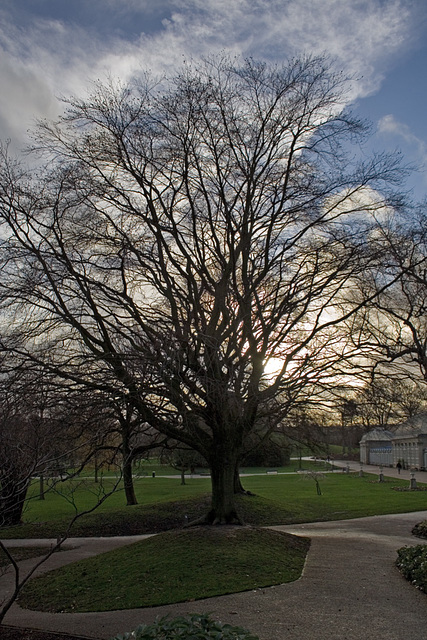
(376, 447)
(407, 443)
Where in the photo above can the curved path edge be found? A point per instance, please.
(349, 589)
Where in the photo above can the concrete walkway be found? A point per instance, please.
(350, 589)
(389, 472)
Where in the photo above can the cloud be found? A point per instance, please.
(53, 57)
(389, 126)
(49, 60)
(360, 34)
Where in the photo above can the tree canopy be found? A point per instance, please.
(182, 233)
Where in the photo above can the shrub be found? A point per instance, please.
(196, 627)
(412, 562)
(420, 529)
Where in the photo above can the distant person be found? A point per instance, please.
(398, 467)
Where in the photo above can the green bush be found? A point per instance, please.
(196, 627)
(412, 562)
(420, 529)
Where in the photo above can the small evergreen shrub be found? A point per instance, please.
(420, 529)
(412, 562)
(195, 627)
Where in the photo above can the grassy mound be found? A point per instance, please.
(151, 518)
(176, 566)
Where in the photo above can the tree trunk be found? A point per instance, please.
(12, 500)
(223, 470)
(127, 471)
(128, 482)
(41, 485)
(96, 468)
(238, 487)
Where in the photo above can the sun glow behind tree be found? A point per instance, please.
(183, 235)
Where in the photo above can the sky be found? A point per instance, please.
(55, 48)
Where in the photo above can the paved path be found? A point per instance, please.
(350, 590)
(390, 472)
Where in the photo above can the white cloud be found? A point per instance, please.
(360, 34)
(37, 66)
(389, 126)
(52, 58)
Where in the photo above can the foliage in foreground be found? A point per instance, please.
(412, 562)
(196, 627)
(420, 529)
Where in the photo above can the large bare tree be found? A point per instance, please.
(184, 234)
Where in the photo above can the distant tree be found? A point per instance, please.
(389, 399)
(410, 398)
(182, 234)
(348, 410)
(182, 459)
(305, 426)
(268, 453)
(33, 441)
(130, 438)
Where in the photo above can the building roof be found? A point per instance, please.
(414, 426)
(378, 434)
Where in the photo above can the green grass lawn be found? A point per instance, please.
(292, 498)
(63, 499)
(81, 494)
(188, 565)
(343, 496)
(165, 504)
(197, 562)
